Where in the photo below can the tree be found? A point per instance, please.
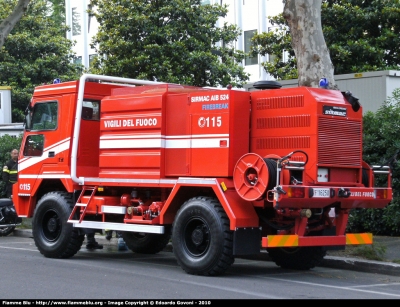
(35, 52)
(312, 54)
(170, 41)
(361, 36)
(9, 23)
(58, 11)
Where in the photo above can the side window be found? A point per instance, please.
(91, 110)
(34, 145)
(44, 116)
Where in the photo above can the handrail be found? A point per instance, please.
(78, 114)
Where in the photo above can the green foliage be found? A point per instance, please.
(58, 11)
(380, 141)
(274, 43)
(7, 143)
(372, 252)
(35, 52)
(170, 41)
(360, 35)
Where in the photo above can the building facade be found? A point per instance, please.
(6, 125)
(249, 15)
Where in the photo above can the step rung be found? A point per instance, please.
(81, 205)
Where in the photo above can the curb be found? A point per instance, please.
(361, 265)
(342, 263)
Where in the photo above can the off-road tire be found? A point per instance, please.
(53, 236)
(4, 232)
(201, 238)
(297, 258)
(146, 243)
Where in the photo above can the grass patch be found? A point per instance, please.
(26, 223)
(370, 252)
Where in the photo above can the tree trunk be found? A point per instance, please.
(8, 24)
(308, 42)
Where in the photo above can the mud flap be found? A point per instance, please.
(246, 241)
(332, 232)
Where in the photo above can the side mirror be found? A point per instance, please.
(27, 122)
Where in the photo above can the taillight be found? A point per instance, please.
(381, 193)
(296, 192)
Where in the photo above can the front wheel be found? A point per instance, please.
(201, 239)
(5, 231)
(53, 236)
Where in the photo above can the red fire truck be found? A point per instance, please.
(220, 173)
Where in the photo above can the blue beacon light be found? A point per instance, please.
(323, 83)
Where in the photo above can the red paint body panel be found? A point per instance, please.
(144, 137)
(294, 119)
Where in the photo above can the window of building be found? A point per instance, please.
(204, 2)
(91, 58)
(77, 60)
(248, 35)
(76, 22)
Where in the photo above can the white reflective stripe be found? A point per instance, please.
(178, 141)
(24, 176)
(53, 88)
(128, 137)
(57, 148)
(118, 226)
(182, 180)
(129, 143)
(209, 136)
(208, 143)
(203, 181)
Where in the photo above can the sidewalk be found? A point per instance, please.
(332, 260)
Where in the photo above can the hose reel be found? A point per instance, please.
(253, 176)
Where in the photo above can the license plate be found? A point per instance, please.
(321, 192)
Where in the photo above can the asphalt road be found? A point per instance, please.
(332, 260)
(112, 275)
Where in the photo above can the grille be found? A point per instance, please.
(339, 142)
(264, 103)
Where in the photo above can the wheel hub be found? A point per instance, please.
(197, 236)
(52, 225)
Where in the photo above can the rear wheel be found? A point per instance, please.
(201, 239)
(5, 231)
(297, 258)
(146, 243)
(53, 236)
